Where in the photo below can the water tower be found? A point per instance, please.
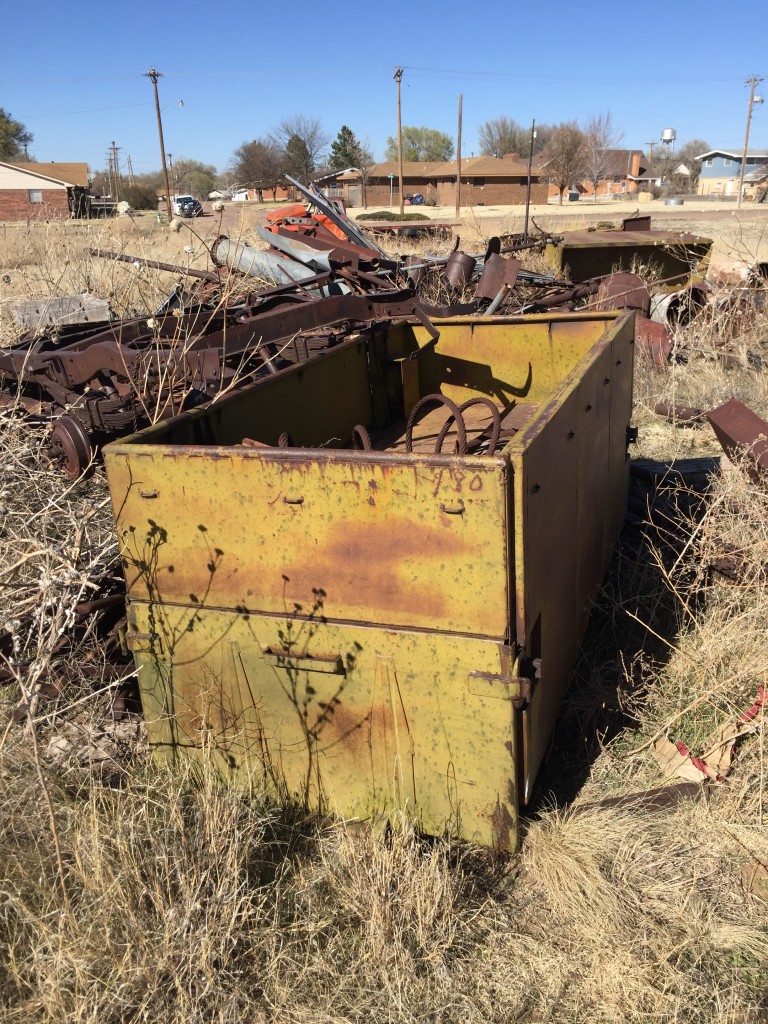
(668, 137)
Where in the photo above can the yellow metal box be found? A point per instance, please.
(363, 580)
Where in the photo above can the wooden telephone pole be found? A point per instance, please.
(398, 76)
(458, 160)
(153, 74)
(752, 82)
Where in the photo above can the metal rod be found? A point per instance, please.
(204, 275)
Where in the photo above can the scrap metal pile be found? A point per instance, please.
(322, 278)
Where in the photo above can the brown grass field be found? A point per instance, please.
(131, 893)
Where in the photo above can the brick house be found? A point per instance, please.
(625, 169)
(488, 181)
(383, 182)
(485, 181)
(33, 191)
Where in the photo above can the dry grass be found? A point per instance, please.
(131, 893)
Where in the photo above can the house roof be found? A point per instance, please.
(619, 160)
(483, 167)
(734, 154)
(411, 169)
(67, 174)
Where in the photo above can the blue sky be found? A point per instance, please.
(74, 75)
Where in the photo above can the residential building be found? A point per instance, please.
(34, 191)
(485, 181)
(721, 171)
(382, 186)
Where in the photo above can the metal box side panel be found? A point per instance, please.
(521, 360)
(404, 541)
(571, 478)
(357, 721)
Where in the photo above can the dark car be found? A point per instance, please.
(190, 208)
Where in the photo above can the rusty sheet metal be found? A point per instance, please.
(365, 630)
(459, 268)
(743, 435)
(497, 273)
(654, 342)
(676, 413)
(444, 527)
(590, 254)
(624, 291)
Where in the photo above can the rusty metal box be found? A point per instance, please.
(366, 609)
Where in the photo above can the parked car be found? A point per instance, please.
(190, 208)
(176, 202)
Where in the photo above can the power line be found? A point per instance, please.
(517, 76)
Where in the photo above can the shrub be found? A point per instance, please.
(390, 215)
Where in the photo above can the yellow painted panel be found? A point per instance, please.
(352, 720)
(405, 541)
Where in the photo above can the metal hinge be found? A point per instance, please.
(517, 689)
(144, 643)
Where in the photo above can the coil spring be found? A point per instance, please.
(495, 430)
(461, 430)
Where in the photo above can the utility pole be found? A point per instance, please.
(650, 146)
(170, 172)
(528, 190)
(153, 74)
(130, 169)
(752, 82)
(458, 160)
(398, 76)
(114, 169)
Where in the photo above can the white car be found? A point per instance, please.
(178, 202)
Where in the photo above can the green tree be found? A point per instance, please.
(140, 197)
(193, 177)
(345, 150)
(427, 144)
(14, 138)
(298, 160)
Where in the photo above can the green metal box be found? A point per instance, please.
(365, 630)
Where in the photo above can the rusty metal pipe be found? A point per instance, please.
(269, 266)
(139, 261)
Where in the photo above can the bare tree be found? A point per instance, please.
(565, 161)
(687, 154)
(600, 138)
(303, 139)
(259, 164)
(503, 135)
